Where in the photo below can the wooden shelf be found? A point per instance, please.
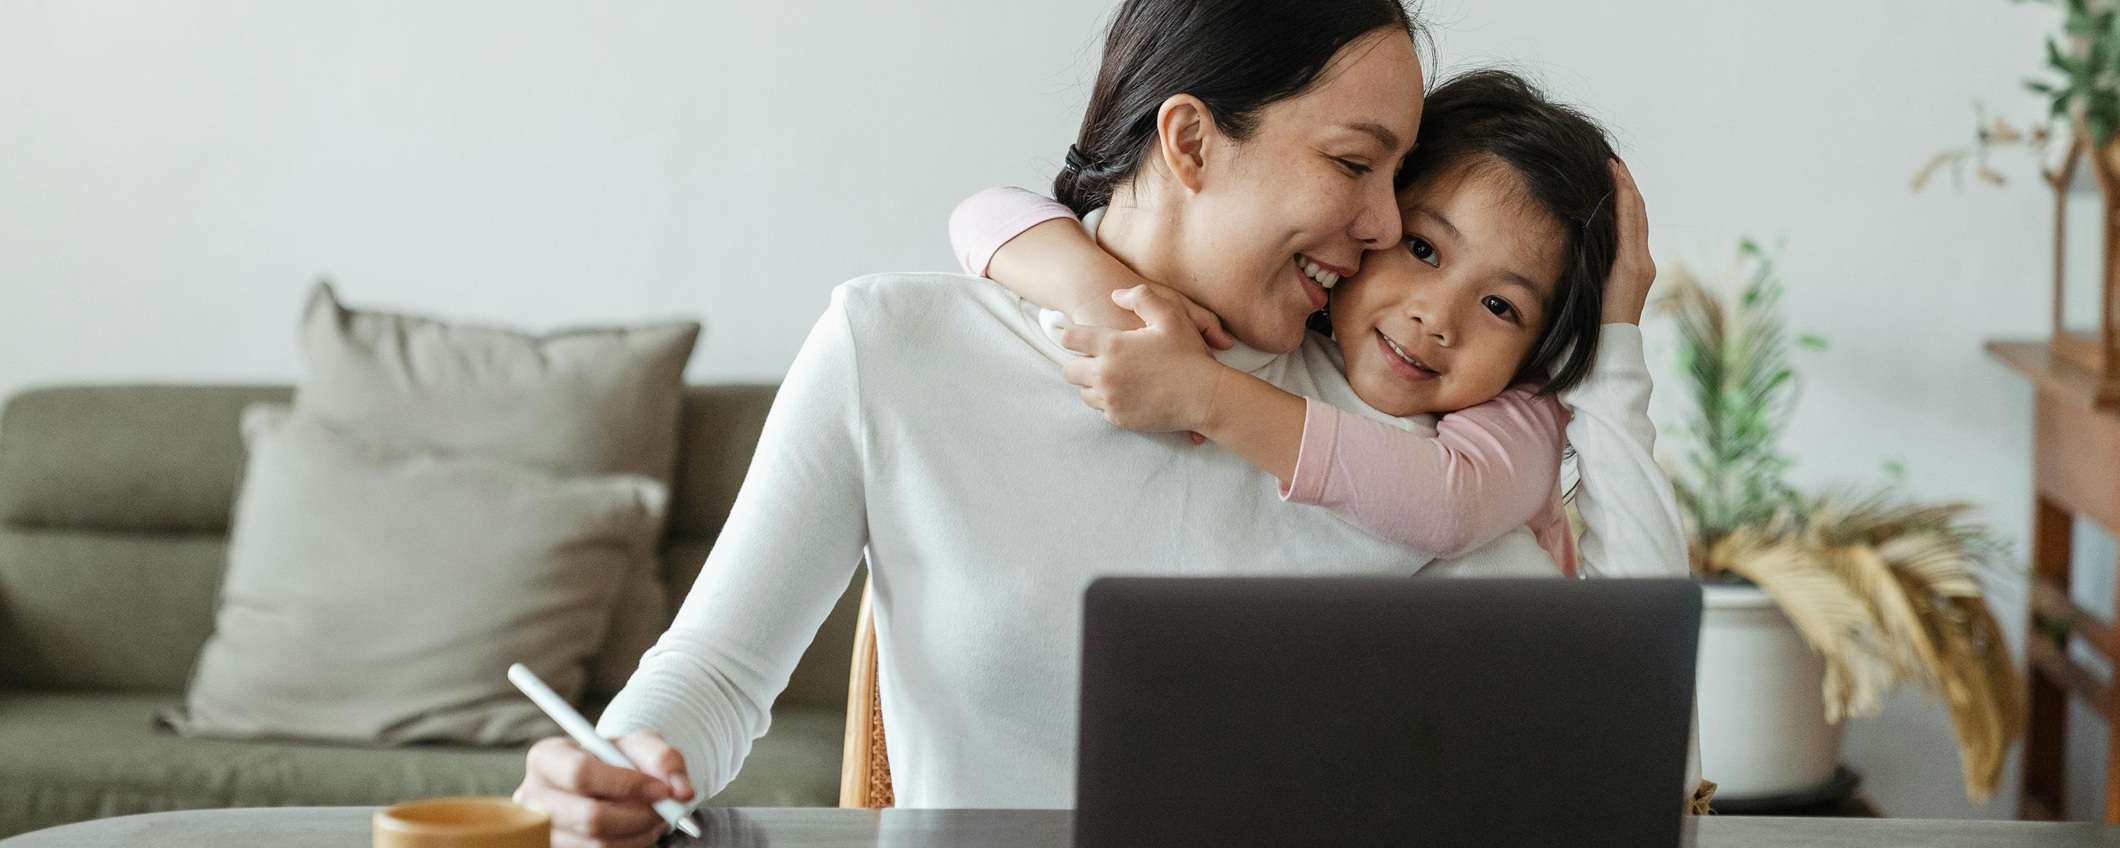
(2075, 476)
(2035, 360)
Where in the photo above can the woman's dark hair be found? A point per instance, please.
(1563, 159)
(1237, 56)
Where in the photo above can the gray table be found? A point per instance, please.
(347, 827)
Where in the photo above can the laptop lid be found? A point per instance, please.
(1384, 711)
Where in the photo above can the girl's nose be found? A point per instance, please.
(1431, 322)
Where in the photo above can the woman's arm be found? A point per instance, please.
(1631, 525)
(780, 563)
(1630, 515)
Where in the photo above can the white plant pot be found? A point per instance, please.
(1763, 729)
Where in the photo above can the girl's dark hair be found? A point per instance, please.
(1237, 56)
(1562, 157)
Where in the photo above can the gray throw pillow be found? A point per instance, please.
(376, 591)
(581, 401)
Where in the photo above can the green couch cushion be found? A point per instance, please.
(90, 610)
(137, 458)
(72, 757)
(578, 401)
(376, 589)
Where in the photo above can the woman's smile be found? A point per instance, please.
(1311, 290)
(1315, 277)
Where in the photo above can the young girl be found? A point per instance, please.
(1513, 215)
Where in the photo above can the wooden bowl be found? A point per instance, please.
(462, 823)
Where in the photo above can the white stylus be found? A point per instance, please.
(585, 735)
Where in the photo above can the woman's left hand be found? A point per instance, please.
(1160, 378)
(1633, 271)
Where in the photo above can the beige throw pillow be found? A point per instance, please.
(376, 592)
(583, 401)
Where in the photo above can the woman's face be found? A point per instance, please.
(1311, 184)
(1445, 320)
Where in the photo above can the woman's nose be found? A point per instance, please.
(1376, 224)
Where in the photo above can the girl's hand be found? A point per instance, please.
(1627, 289)
(1157, 379)
(1106, 312)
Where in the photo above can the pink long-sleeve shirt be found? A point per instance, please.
(1486, 469)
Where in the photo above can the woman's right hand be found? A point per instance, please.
(1633, 271)
(594, 803)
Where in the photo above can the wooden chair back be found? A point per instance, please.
(864, 765)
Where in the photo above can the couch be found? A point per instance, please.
(114, 507)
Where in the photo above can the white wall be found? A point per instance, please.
(173, 175)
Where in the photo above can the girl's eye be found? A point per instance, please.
(1501, 308)
(1422, 250)
(1356, 168)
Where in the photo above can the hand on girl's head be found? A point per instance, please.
(1633, 270)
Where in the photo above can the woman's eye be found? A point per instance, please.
(1498, 306)
(1422, 250)
(1356, 168)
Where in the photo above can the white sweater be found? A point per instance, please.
(924, 423)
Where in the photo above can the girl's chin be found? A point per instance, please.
(1388, 394)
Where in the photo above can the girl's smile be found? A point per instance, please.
(1403, 363)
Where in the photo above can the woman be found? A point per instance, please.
(923, 422)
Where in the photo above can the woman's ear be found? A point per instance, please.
(1183, 128)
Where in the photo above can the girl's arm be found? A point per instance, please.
(1034, 247)
(1485, 471)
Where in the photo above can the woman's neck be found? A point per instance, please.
(1139, 232)
(1143, 237)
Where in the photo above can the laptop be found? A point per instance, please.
(1384, 711)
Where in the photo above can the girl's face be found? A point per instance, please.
(1312, 183)
(1445, 320)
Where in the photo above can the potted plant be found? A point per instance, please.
(2082, 102)
(1817, 604)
